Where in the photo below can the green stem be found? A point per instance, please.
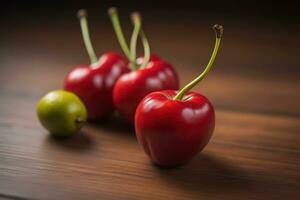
(137, 24)
(82, 15)
(146, 49)
(136, 20)
(219, 31)
(114, 17)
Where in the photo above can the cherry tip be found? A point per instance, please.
(135, 16)
(78, 121)
(219, 30)
(82, 13)
(112, 11)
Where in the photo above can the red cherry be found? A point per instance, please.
(172, 132)
(94, 84)
(149, 73)
(132, 87)
(172, 127)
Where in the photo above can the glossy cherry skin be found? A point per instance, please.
(172, 132)
(132, 87)
(94, 84)
(153, 58)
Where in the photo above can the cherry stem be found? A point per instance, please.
(136, 20)
(82, 16)
(137, 23)
(219, 32)
(146, 49)
(114, 17)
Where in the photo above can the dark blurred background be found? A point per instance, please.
(261, 41)
(261, 33)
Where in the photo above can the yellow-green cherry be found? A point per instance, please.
(62, 113)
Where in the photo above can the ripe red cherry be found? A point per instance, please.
(172, 127)
(149, 73)
(94, 83)
(172, 132)
(132, 87)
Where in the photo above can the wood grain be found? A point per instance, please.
(254, 153)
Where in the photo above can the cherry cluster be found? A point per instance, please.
(171, 125)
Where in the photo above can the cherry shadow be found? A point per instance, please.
(114, 125)
(205, 174)
(81, 141)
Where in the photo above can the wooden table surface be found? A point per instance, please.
(254, 86)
